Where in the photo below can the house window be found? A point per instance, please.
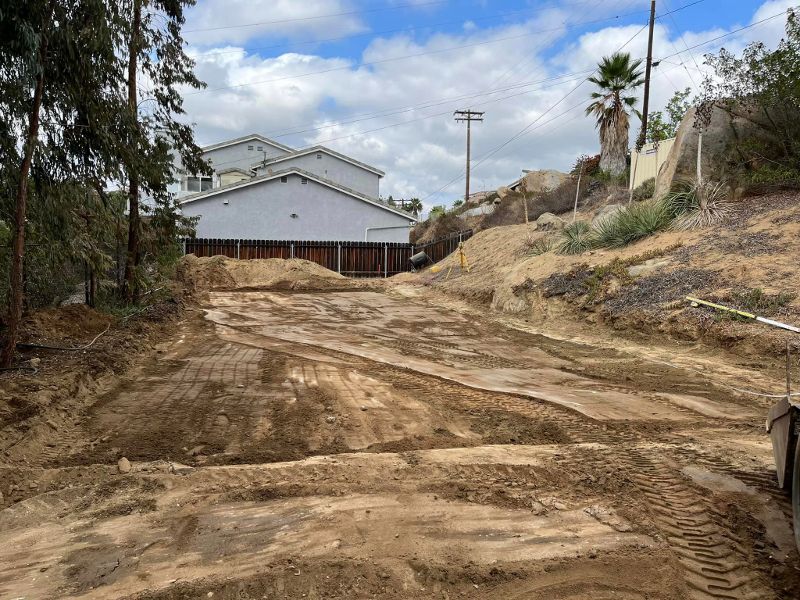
(304, 180)
(284, 179)
(249, 147)
(199, 184)
(261, 148)
(319, 156)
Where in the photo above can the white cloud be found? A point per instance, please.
(237, 21)
(427, 152)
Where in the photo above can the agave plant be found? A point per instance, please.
(694, 205)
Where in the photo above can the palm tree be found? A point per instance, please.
(415, 206)
(616, 77)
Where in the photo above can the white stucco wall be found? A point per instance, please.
(263, 211)
(333, 168)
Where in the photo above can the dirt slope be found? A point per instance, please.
(639, 290)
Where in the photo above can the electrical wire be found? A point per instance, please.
(407, 56)
(526, 129)
(373, 34)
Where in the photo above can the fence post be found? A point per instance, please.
(385, 260)
(291, 250)
(339, 258)
(184, 246)
(238, 246)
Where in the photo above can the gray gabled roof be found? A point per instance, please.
(248, 172)
(295, 171)
(247, 138)
(313, 150)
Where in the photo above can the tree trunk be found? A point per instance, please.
(614, 145)
(132, 258)
(16, 287)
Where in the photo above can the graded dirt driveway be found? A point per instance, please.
(359, 444)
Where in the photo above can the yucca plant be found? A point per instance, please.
(632, 223)
(694, 205)
(576, 238)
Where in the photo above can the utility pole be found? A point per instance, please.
(646, 105)
(469, 116)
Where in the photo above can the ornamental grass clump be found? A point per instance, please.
(576, 238)
(632, 223)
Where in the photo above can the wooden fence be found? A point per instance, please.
(353, 259)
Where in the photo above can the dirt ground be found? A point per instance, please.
(368, 444)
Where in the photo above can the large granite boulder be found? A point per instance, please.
(720, 160)
(542, 181)
(550, 221)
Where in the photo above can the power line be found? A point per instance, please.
(425, 117)
(730, 33)
(683, 39)
(382, 32)
(417, 55)
(525, 129)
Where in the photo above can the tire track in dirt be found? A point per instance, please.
(715, 563)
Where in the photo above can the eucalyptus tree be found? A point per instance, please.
(72, 123)
(155, 50)
(617, 77)
(58, 82)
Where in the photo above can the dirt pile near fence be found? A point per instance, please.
(221, 273)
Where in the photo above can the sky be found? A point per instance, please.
(379, 80)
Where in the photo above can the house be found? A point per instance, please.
(261, 189)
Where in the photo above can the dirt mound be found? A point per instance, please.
(74, 321)
(221, 273)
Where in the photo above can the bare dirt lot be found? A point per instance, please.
(364, 444)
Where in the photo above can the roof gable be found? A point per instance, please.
(253, 137)
(323, 150)
(295, 171)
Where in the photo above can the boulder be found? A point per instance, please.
(648, 267)
(123, 465)
(606, 212)
(503, 191)
(550, 221)
(543, 181)
(718, 160)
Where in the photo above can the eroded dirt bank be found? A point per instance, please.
(357, 444)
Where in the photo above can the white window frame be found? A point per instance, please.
(200, 180)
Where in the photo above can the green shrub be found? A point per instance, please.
(576, 238)
(632, 223)
(646, 190)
